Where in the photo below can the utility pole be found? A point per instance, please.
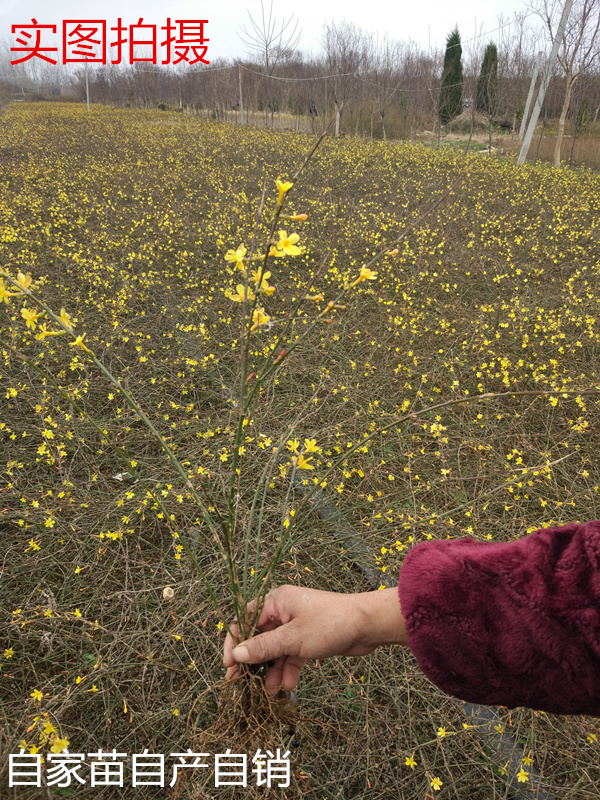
(534, 77)
(241, 97)
(545, 80)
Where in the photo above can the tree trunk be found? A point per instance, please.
(563, 116)
(338, 116)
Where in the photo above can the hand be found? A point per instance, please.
(296, 624)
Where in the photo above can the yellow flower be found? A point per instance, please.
(65, 319)
(287, 244)
(365, 274)
(4, 293)
(236, 257)
(261, 279)
(37, 695)
(311, 446)
(24, 281)
(436, 784)
(8, 653)
(303, 462)
(282, 188)
(410, 762)
(293, 445)
(30, 316)
(79, 343)
(441, 732)
(45, 332)
(59, 745)
(243, 293)
(259, 318)
(523, 776)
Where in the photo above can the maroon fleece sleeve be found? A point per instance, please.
(511, 624)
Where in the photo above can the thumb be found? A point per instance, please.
(259, 649)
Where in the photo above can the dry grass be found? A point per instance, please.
(497, 290)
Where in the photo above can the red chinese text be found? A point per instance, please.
(86, 40)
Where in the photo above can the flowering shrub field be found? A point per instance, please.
(136, 230)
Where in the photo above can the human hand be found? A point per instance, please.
(296, 624)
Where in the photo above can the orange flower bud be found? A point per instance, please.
(296, 217)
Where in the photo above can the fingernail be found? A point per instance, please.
(240, 653)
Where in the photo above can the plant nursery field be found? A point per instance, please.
(122, 219)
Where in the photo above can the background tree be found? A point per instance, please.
(577, 52)
(450, 102)
(581, 126)
(487, 85)
(269, 41)
(272, 43)
(383, 58)
(584, 116)
(344, 45)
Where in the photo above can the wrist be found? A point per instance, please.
(380, 619)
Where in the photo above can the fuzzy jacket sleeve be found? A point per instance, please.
(511, 624)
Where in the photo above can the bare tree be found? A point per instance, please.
(343, 43)
(268, 41)
(577, 52)
(271, 43)
(518, 44)
(384, 62)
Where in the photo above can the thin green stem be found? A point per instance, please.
(134, 473)
(227, 556)
(447, 403)
(268, 367)
(266, 574)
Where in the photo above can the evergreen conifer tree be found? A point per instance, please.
(450, 102)
(487, 85)
(584, 116)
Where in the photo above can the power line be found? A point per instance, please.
(356, 74)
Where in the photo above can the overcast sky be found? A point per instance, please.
(427, 24)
